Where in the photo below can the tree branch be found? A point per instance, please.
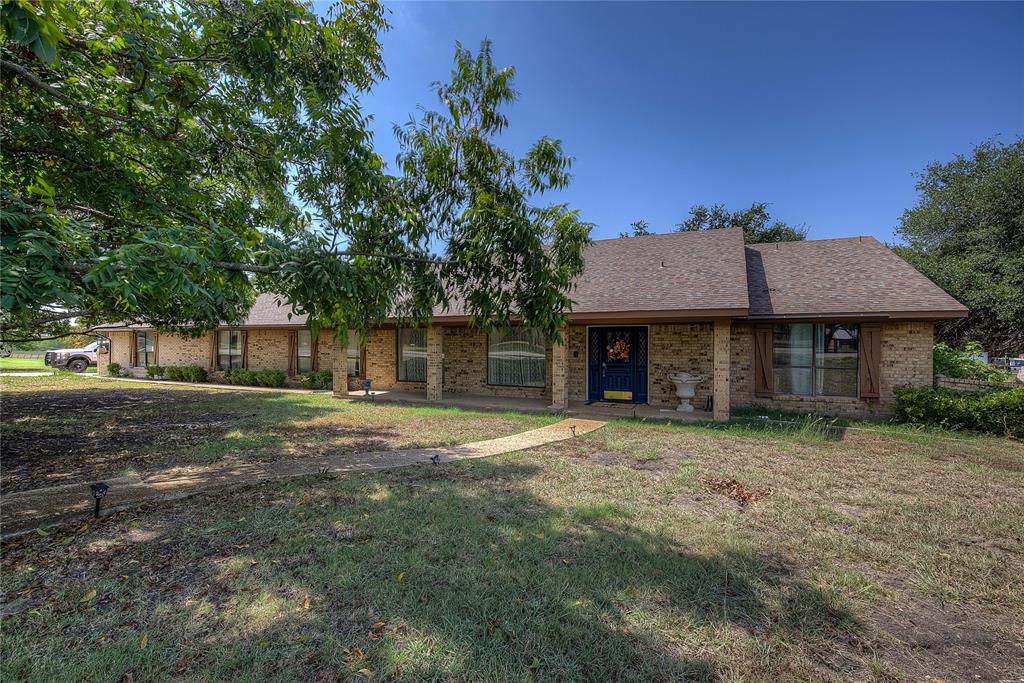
(40, 84)
(45, 320)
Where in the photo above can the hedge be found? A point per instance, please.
(996, 412)
(113, 369)
(186, 373)
(321, 379)
(255, 378)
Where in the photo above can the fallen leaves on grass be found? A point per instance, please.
(376, 631)
(737, 490)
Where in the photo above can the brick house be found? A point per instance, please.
(828, 326)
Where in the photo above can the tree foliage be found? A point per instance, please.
(756, 221)
(965, 364)
(966, 233)
(638, 228)
(164, 161)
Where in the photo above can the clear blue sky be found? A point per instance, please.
(823, 110)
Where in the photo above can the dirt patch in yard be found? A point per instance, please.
(924, 637)
(35, 458)
(594, 453)
(53, 437)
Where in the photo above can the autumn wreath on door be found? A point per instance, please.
(618, 348)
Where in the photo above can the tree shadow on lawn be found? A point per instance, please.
(448, 573)
(63, 436)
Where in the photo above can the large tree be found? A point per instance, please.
(756, 221)
(164, 161)
(966, 233)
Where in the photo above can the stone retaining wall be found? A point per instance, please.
(974, 385)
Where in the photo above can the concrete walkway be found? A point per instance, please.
(23, 511)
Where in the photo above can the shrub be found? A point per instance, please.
(154, 371)
(996, 412)
(949, 362)
(321, 379)
(186, 373)
(114, 369)
(270, 378)
(255, 378)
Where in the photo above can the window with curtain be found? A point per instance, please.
(354, 354)
(412, 355)
(815, 359)
(304, 351)
(229, 350)
(515, 358)
(145, 349)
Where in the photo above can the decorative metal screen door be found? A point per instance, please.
(617, 364)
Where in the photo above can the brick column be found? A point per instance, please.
(560, 373)
(339, 368)
(723, 329)
(435, 362)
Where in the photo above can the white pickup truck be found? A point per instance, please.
(76, 360)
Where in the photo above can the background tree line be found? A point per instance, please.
(966, 233)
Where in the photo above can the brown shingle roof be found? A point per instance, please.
(265, 312)
(852, 275)
(712, 273)
(680, 271)
(673, 272)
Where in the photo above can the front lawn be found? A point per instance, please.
(637, 552)
(28, 365)
(69, 428)
(23, 365)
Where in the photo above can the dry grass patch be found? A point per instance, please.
(60, 429)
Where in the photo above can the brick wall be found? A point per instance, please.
(687, 348)
(906, 360)
(120, 351)
(268, 349)
(741, 364)
(380, 362)
(672, 348)
(576, 362)
(325, 351)
(175, 350)
(465, 367)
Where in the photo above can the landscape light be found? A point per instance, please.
(99, 490)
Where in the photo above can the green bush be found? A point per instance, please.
(114, 369)
(949, 362)
(321, 379)
(255, 378)
(996, 412)
(186, 373)
(154, 371)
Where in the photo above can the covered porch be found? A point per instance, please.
(583, 409)
(617, 368)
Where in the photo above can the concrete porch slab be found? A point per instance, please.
(600, 411)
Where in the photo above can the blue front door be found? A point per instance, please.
(617, 364)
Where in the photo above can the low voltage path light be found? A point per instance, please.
(99, 490)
